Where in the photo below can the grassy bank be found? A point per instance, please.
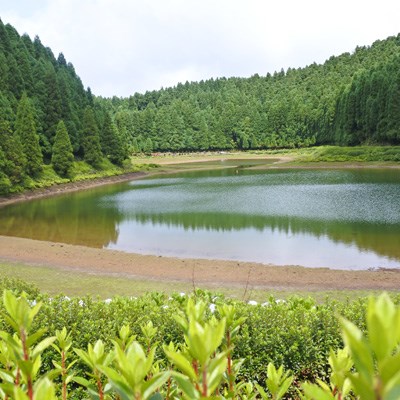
(376, 155)
(81, 171)
(53, 281)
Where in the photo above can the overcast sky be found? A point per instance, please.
(119, 47)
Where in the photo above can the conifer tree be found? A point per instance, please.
(26, 130)
(90, 140)
(12, 148)
(5, 183)
(111, 142)
(62, 157)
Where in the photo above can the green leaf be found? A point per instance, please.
(390, 368)
(261, 391)
(284, 386)
(360, 351)
(81, 381)
(181, 363)
(44, 344)
(186, 386)
(315, 392)
(150, 386)
(32, 339)
(363, 387)
(216, 369)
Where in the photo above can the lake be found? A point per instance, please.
(335, 218)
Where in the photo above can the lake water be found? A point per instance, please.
(343, 219)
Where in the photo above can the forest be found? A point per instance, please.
(48, 117)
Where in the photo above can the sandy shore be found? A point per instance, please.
(211, 272)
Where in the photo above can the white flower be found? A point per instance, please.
(277, 301)
(81, 303)
(266, 304)
(165, 307)
(182, 294)
(252, 302)
(107, 301)
(212, 307)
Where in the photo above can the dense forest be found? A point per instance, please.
(47, 117)
(46, 114)
(350, 99)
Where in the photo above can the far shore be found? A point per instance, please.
(168, 160)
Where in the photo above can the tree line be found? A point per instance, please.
(48, 117)
(286, 109)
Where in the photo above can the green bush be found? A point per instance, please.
(213, 345)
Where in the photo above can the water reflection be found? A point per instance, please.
(334, 218)
(77, 218)
(362, 235)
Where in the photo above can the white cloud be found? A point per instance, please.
(122, 46)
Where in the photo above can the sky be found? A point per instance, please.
(119, 47)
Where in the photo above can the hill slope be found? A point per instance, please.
(299, 107)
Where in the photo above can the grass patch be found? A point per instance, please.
(352, 154)
(54, 281)
(363, 154)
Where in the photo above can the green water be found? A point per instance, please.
(346, 219)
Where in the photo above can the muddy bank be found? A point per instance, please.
(215, 273)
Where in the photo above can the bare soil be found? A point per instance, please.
(214, 273)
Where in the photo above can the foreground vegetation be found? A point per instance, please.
(198, 346)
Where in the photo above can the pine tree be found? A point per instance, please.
(62, 157)
(26, 130)
(111, 142)
(90, 140)
(5, 183)
(148, 146)
(11, 146)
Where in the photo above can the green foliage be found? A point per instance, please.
(5, 183)
(278, 383)
(354, 154)
(91, 139)
(14, 165)
(348, 100)
(112, 145)
(62, 157)
(22, 352)
(376, 356)
(120, 367)
(25, 129)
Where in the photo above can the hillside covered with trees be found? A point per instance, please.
(46, 114)
(350, 99)
(48, 118)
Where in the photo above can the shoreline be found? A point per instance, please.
(281, 162)
(215, 273)
(69, 187)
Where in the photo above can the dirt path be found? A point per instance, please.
(211, 272)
